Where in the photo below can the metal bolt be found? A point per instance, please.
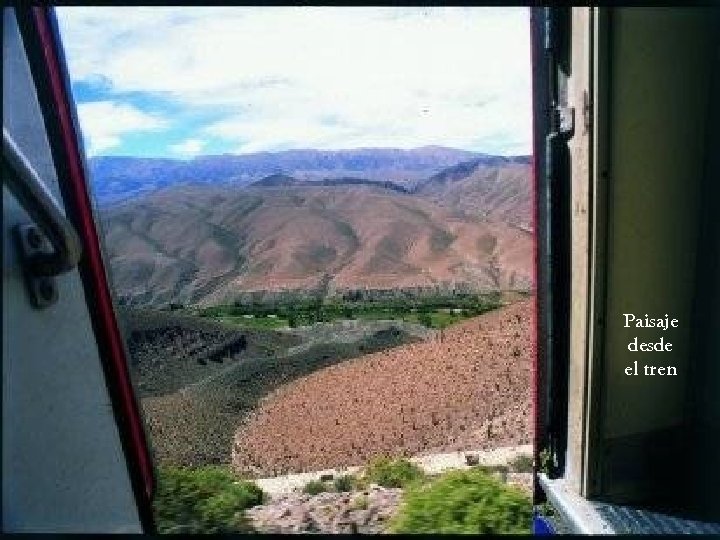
(34, 238)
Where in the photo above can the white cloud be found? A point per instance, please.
(105, 122)
(189, 147)
(405, 76)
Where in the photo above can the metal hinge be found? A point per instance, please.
(32, 244)
(565, 121)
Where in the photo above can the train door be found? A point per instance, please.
(626, 116)
(74, 456)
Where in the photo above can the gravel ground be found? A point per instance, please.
(365, 512)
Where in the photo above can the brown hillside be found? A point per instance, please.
(491, 192)
(468, 390)
(203, 245)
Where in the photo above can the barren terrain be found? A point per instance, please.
(197, 379)
(468, 387)
(210, 229)
(492, 192)
(334, 394)
(203, 245)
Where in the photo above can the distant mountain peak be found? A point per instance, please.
(275, 180)
(119, 178)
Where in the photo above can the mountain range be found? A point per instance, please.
(210, 228)
(119, 177)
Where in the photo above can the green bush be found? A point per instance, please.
(202, 500)
(393, 473)
(344, 483)
(425, 319)
(313, 487)
(469, 501)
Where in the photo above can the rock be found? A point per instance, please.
(326, 513)
(362, 517)
(284, 512)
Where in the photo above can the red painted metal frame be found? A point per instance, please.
(534, 169)
(92, 257)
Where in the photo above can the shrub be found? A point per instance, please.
(469, 501)
(546, 461)
(393, 473)
(425, 319)
(344, 483)
(313, 487)
(202, 500)
(360, 503)
(522, 463)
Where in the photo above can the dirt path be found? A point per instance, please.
(430, 464)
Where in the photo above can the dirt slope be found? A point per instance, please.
(197, 379)
(499, 193)
(468, 389)
(204, 244)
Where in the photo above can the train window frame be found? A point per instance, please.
(581, 486)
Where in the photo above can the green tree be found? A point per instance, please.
(426, 319)
(292, 320)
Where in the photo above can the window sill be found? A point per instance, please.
(593, 517)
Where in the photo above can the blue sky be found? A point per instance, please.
(186, 81)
